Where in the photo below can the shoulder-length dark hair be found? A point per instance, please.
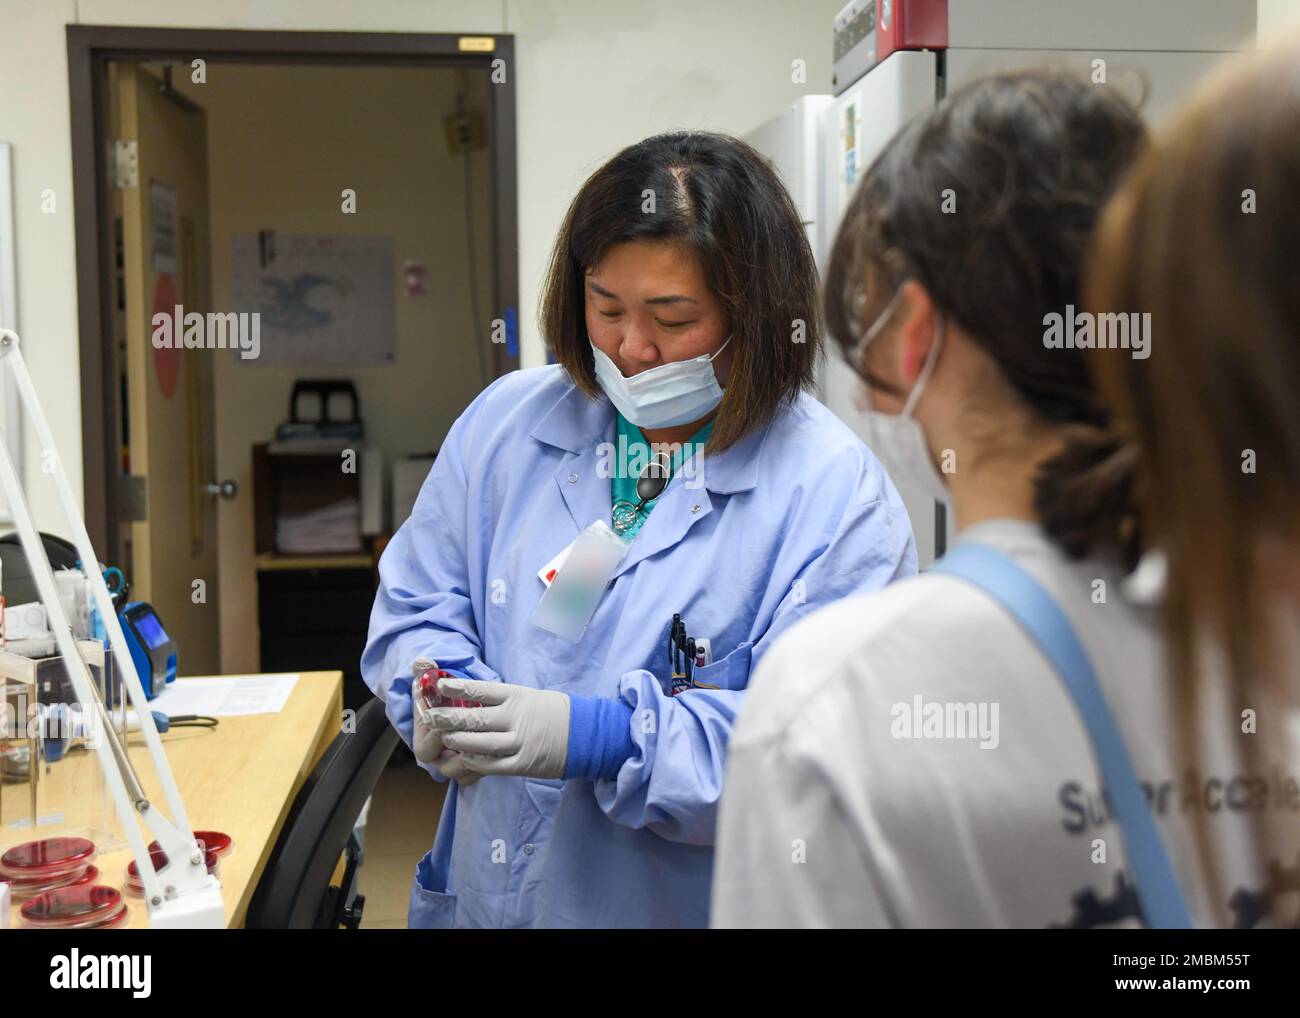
(719, 199)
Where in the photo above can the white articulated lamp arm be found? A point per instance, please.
(190, 896)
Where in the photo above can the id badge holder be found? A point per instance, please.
(571, 599)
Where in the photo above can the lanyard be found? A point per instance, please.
(1163, 904)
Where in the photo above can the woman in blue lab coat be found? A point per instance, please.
(681, 307)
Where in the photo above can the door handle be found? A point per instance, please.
(222, 489)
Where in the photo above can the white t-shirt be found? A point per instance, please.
(910, 758)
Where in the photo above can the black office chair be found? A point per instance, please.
(295, 892)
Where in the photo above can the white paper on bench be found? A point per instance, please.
(226, 696)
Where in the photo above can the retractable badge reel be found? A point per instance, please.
(650, 484)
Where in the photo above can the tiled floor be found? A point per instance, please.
(403, 816)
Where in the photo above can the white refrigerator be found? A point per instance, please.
(1152, 49)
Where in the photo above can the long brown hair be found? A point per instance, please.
(1205, 236)
(720, 200)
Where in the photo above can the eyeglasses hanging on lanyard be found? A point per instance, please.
(650, 484)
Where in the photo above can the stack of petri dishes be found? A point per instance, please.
(35, 867)
(57, 881)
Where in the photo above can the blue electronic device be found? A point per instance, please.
(152, 650)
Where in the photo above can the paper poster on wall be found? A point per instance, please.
(321, 299)
(162, 227)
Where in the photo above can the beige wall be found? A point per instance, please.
(282, 144)
(1276, 16)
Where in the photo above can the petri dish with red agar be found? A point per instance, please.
(115, 921)
(134, 885)
(22, 890)
(48, 858)
(84, 906)
(426, 685)
(212, 841)
(216, 841)
(156, 856)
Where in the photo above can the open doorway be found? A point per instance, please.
(218, 172)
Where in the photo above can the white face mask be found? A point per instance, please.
(662, 397)
(899, 439)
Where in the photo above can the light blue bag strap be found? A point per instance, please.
(1163, 904)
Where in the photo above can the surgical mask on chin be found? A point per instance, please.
(662, 397)
(899, 439)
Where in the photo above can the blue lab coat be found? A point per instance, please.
(797, 514)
